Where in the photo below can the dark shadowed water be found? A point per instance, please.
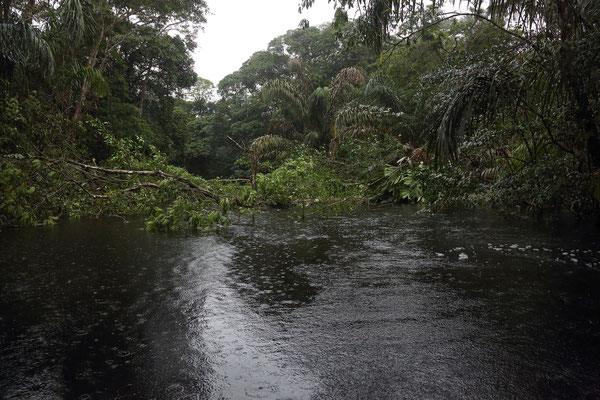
(383, 304)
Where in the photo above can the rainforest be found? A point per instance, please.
(494, 105)
(400, 203)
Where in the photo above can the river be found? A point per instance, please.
(385, 303)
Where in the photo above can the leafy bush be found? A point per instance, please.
(551, 184)
(300, 180)
(185, 214)
(363, 158)
(401, 183)
(451, 187)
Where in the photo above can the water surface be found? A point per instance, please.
(386, 303)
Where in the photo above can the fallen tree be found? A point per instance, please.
(40, 190)
(158, 173)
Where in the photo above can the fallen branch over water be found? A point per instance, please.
(47, 189)
(158, 173)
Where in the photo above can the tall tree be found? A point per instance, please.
(117, 21)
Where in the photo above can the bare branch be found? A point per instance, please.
(237, 144)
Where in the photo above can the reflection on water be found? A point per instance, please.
(388, 303)
(241, 348)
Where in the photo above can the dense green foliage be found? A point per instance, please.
(496, 107)
(503, 98)
(306, 178)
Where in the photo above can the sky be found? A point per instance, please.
(236, 29)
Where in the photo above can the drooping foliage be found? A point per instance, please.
(504, 94)
(551, 37)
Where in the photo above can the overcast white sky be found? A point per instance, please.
(238, 28)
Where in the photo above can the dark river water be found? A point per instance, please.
(385, 303)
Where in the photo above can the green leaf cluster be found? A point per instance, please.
(304, 179)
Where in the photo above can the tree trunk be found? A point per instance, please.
(143, 96)
(79, 107)
(85, 88)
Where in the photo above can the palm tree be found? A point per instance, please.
(310, 112)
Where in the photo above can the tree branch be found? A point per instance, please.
(191, 185)
(447, 17)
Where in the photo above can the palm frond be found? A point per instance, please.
(578, 14)
(358, 119)
(361, 115)
(298, 68)
(72, 18)
(282, 127)
(355, 76)
(84, 75)
(25, 47)
(343, 84)
(269, 147)
(477, 90)
(287, 93)
(312, 138)
(377, 90)
(318, 102)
